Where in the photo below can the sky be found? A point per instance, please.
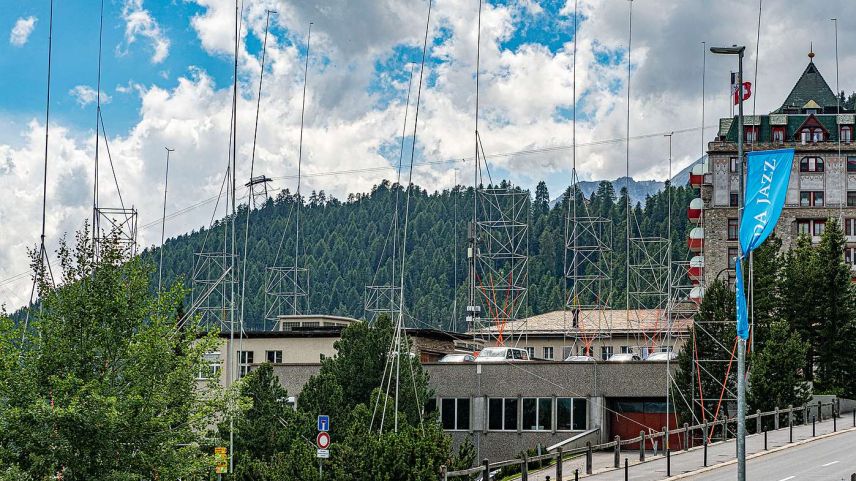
(167, 73)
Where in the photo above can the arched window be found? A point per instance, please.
(811, 164)
(846, 134)
(817, 135)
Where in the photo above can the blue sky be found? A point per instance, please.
(167, 70)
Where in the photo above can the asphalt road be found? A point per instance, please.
(828, 459)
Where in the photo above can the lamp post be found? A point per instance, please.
(741, 343)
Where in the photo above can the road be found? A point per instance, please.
(828, 459)
(803, 461)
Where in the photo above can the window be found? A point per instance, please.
(811, 164)
(846, 134)
(804, 135)
(586, 351)
(274, 357)
(819, 227)
(732, 257)
(571, 414)
(814, 227)
(732, 165)
(455, 414)
(817, 135)
(849, 226)
(605, 352)
(851, 198)
(665, 348)
(537, 413)
(851, 163)
(732, 199)
(548, 353)
(502, 414)
(530, 351)
(850, 255)
(778, 135)
(751, 134)
(811, 198)
(245, 358)
(804, 227)
(626, 349)
(732, 229)
(211, 367)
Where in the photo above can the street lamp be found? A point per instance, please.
(741, 343)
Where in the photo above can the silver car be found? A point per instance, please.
(579, 359)
(625, 357)
(457, 357)
(662, 356)
(502, 354)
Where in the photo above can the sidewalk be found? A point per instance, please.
(654, 468)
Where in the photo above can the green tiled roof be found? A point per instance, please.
(810, 86)
(794, 122)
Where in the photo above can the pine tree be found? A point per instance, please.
(776, 378)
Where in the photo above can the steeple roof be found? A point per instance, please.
(810, 92)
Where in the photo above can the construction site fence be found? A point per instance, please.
(689, 436)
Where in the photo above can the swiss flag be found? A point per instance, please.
(747, 92)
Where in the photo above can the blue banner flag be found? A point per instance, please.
(767, 176)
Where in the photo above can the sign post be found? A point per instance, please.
(221, 461)
(322, 441)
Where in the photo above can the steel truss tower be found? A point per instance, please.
(501, 240)
(649, 285)
(258, 188)
(382, 300)
(119, 224)
(587, 273)
(286, 291)
(212, 288)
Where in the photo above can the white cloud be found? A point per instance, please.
(521, 90)
(140, 23)
(85, 95)
(21, 31)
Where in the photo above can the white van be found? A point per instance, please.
(502, 354)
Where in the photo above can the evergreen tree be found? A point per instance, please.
(776, 378)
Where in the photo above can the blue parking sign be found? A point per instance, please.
(323, 423)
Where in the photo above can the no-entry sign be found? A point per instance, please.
(323, 440)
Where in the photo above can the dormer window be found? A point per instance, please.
(817, 135)
(778, 135)
(811, 111)
(750, 134)
(804, 136)
(846, 134)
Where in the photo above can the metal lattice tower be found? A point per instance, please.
(119, 224)
(649, 285)
(382, 300)
(212, 287)
(286, 291)
(501, 256)
(681, 304)
(258, 188)
(587, 273)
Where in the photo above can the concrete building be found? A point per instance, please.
(552, 336)
(823, 174)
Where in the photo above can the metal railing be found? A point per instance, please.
(809, 412)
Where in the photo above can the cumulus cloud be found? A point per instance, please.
(140, 23)
(85, 95)
(355, 109)
(21, 31)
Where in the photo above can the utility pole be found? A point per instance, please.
(741, 343)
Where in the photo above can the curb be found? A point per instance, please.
(759, 454)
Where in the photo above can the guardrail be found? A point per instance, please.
(810, 412)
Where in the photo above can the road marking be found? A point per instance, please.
(786, 479)
(829, 464)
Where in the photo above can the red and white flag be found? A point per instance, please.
(747, 89)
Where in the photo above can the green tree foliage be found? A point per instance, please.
(347, 245)
(103, 387)
(270, 437)
(776, 377)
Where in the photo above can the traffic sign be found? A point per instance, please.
(220, 460)
(323, 440)
(323, 423)
(322, 453)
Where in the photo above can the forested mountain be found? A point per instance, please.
(347, 245)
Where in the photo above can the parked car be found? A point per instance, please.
(502, 354)
(579, 359)
(625, 357)
(662, 356)
(458, 357)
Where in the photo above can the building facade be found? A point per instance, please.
(813, 121)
